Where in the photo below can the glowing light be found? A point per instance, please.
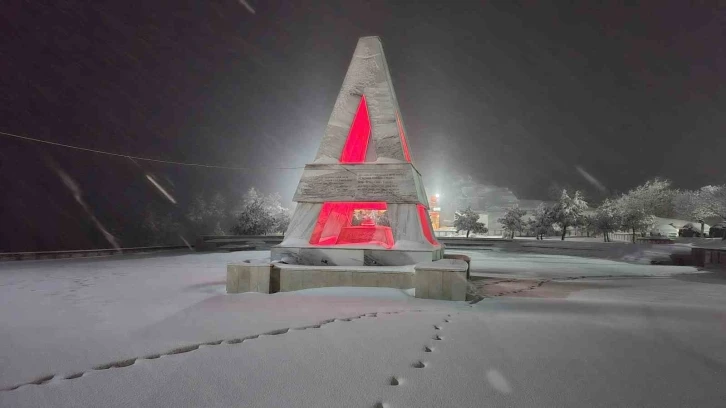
(76, 191)
(334, 226)
(161, 189)
(592, 180)
(437, 195)
(423, 217)
(497, 380)
(186, 242)
(367, 234)
(401, 133)
(356, 145)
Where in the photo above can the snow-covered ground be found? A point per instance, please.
(595, 248)
(64, 316)
(126, 331)
(507, 263)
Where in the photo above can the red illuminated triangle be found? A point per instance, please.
(404, 144)
(356, 145)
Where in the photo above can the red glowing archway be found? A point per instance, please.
(335, 225)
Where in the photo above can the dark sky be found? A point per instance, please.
(514, 93)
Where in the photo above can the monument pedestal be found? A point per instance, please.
(353, 255)
(443, 280)
(285, 278)
(251, 276)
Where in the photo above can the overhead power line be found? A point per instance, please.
(85, 149)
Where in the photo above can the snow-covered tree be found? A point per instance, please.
(697, 205)
(512, 220)
(607, 219)
(587, 223)
(636, 219)
(654, 197)
(639, 207)
(282, 221)
(715, 196)
(252, 216)
(568, 211)
(258, 214)
(468, 220)
(209, 215)
(280, 214)
(693, 205)
(541, 223)
(160, 228)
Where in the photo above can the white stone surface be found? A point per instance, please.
(302, 223)
(248, 277)
(387, 182)
(298, 277)
(364, 268)
(396, 257)
(407, 231)
(444, 279)
(331, 256)
(367, 75)
(455, 265)
(352, 255)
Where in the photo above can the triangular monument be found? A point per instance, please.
(361, 201)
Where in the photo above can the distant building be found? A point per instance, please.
(671, 227)
(490, 202)
(435, 212)
(718, 230)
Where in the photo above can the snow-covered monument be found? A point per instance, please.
(361, 201)
(362, 217)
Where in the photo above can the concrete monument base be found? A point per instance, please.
(444, 279)
(287, 278)
(248, 277)
(353, 256)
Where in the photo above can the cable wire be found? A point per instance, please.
(211, 166)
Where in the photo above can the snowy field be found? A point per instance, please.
(129, 331)
(506, 263)
(595, 248)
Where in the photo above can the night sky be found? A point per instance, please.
(515, 94)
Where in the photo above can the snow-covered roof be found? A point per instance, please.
(663, 223)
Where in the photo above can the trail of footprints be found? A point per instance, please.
(540, 283)
(186, 349)
(395, 381)
(479, 297)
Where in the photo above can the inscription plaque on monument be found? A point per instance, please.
(390, 183)
(336, 184)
